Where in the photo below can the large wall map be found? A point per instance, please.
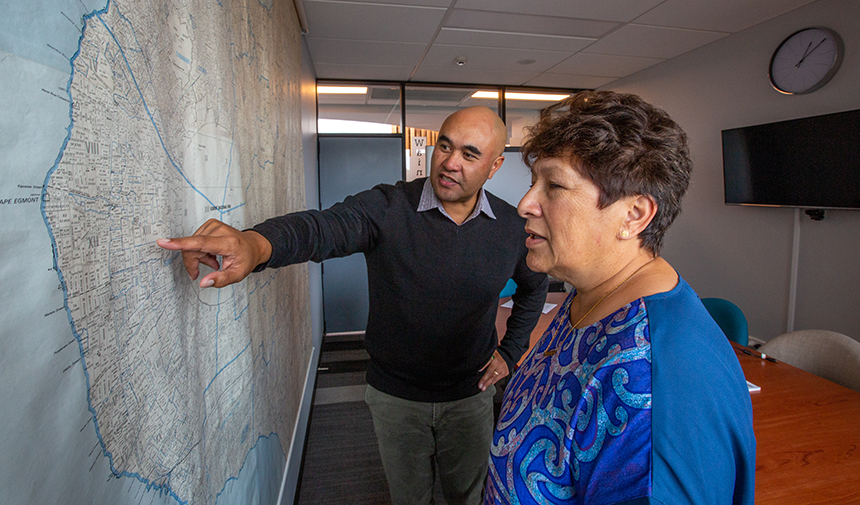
(123, 381)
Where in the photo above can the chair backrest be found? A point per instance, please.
(509, 289)
(730, 318)
(827, 354)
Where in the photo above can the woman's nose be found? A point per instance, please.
(528, 206)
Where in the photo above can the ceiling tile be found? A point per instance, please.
(512, 42)
(520, 23)
(722, 16)
(617, 10)
(362, 52)
(604, 65)
(337, 20)
(493, 58)
(564, 81)
(425, 3)
(362, 72)
(472, 75)
(463, 37)
(652, 41)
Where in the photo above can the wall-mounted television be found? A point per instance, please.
(811, 163)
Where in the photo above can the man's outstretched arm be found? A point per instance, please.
(241, 252)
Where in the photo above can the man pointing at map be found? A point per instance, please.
(438, 250)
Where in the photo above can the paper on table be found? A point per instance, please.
(546, 307)
(752, 387)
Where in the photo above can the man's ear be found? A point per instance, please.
(641, 210)
(496, 166)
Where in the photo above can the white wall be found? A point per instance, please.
(512, 181)
(743, 253)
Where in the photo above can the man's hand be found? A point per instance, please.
(494, 371)
(240, 251)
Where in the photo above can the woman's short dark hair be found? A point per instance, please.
(627, 147)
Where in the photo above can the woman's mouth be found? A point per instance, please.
(534, 239)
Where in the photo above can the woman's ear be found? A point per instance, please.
(641, 209)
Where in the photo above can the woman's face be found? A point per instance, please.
(568, 235)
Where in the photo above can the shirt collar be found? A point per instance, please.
(430, 201)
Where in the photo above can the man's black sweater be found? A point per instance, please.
(433, 285)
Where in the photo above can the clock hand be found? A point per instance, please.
(808, 51)
(804, 54)
(816, 46)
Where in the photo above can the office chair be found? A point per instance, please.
(827, 354)
(730, 318)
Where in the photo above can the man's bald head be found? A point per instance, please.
(480, 117)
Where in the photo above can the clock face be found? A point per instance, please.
(805, 61)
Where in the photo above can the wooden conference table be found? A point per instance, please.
(545, 319)
(807, 429)
(807, 432)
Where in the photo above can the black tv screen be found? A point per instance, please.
(811, 162)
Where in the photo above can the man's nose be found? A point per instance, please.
(453, 161)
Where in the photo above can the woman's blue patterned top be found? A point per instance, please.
(576, 425)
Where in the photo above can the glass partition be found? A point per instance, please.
(522, 109)
(376, 108)
(358, 108)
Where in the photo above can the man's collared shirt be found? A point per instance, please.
(430, 201)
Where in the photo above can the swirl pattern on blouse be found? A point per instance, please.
(575, 426)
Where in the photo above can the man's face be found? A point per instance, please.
(467, 153)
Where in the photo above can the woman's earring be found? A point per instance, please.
(625, 234)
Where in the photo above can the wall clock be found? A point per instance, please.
(806, 60)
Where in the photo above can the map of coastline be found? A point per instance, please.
(178, 112)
